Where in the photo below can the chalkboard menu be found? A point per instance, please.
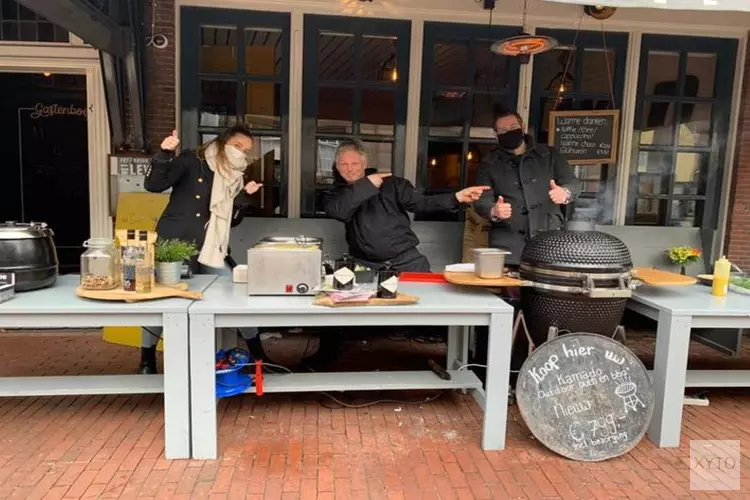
(585, 397)
(585, 137)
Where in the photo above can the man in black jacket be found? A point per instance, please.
(375, 210)
(528, 182)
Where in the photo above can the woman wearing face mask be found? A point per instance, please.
(208, 197)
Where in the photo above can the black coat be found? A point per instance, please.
(378, 226)
(187, 212)
(524, 182)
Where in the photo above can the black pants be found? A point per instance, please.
(409, 261)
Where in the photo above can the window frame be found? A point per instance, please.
(725, 50)
(472, 34)
(315, 24)
(191, 21)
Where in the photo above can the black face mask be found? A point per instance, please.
(511, 139)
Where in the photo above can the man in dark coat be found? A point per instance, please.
(528, 182)
(375, 209)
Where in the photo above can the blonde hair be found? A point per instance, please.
(351, 145)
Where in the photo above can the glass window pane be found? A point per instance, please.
(28, 31)
(10, 10)
(597, 74)
(695, 125)
(204, 138)
(492, 71)
(262, 105)
(691, 173)
(687, 213)
(218, 104)
(265, 166)
(335, 110)
(476, 153)
(218, 52)
(657, 123)
(700, 75)
(61, 35)
(325, 161)
(550, 68)
(46, 32)
(10, 31)
(451, 63)
(663, 69)
(335, 56)
(443, 165)
(482, 114)
(653, 172)
(379, 155)
(379, 59)
(378, 112)
(650, 212)
(262, 51)
(448, 111)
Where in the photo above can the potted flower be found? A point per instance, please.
(683, 256)
(169, 256)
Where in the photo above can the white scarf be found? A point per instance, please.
(223, 192)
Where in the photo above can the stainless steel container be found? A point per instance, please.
(489, 263)
(285, 266)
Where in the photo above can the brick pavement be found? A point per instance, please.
(300, 447)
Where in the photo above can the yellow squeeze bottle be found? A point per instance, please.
(722, 270)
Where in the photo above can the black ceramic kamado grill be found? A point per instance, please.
(575, 281)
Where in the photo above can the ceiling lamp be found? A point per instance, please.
(599, 12)
(523, 45)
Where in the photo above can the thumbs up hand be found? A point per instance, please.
(170, 143)
(559, 195)
(502, 210)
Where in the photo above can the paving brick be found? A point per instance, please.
(290, 447)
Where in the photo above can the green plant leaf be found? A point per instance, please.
(174, 250)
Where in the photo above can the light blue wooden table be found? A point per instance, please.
(227, 304)
(59, 307)
(677, 310)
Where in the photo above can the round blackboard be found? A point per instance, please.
(585, 397)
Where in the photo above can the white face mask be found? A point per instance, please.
(236, 157)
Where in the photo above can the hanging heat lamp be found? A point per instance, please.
(523, 45)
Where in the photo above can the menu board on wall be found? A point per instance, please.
(585, 137)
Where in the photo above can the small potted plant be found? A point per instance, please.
(683, 256)
(169, 256)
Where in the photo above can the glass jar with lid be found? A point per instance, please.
(99, 264)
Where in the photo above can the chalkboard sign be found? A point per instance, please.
(585, 397)
(585, 137)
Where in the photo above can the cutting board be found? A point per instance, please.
(403, 299)
(656, 277)
(471, 279)
(158, 292)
